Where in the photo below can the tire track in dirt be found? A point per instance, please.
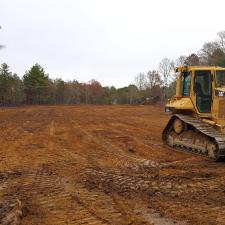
(52, 203)
(28, 175)
(87, 175)
(131, 186)
(132, 138)
(111, 150)
(118, 131)
(55, 197)
(20, 145)
(86, 198)
(127, 182)
(48, 201)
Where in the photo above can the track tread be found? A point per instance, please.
(203, 128)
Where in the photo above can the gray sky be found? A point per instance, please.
(108, 40)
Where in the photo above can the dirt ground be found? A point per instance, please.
(101, 165)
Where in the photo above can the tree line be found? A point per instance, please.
(36, 87)
(161, 84)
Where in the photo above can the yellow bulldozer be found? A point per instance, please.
(197, 123)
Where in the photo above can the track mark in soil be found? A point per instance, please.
(51, 129)
(10, 212)
(123, 157)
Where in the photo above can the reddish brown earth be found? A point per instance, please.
(101, 165)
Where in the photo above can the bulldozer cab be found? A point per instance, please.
(199, 91)
(202, 88)
(203, 91)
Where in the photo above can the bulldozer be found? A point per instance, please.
(197, 123)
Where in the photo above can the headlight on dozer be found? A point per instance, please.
(169, 109)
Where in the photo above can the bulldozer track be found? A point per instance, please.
(201, 127)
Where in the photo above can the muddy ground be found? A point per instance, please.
(101, 165)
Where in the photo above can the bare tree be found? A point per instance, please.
(207, 50)
(165, 68)
(153, 79)
(181, 60)
(211, 52)
(221, 35)
(140, 81)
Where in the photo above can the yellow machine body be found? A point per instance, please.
(198, 111)
(188, 103)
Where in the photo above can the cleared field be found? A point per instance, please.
(102, 165)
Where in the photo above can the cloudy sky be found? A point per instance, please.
(108, 40)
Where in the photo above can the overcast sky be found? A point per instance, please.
(108, 40)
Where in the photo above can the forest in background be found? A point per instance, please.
(36, 86)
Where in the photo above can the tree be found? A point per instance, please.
(217, 58)
(73, 92)
(181, 60)
(11, 87)
(133, 94)
(207, 51)
(192, 60)
(96, 92)
(17, 90)
(110, 95)
(140, 81)
(213, 54)
(171, 90)
(123, 95)
(153, 79)
(4, 83)
(85, 93)
(165, 68)
(221, 36)
(60, 91)
(36, 83)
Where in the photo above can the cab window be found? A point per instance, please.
(186, 84)
(203, 91)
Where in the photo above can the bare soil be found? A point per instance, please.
(102, 165)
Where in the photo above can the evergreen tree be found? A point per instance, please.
(36, 84)
(11, 87)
